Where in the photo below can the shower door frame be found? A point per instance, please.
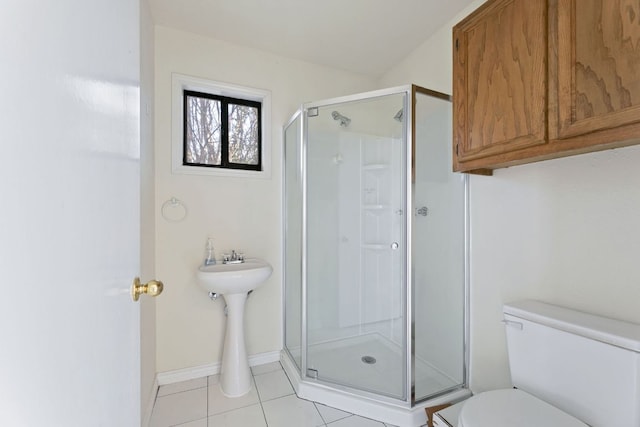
(409, 330)
(466, 266)
(299, 114)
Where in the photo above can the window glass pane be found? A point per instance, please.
(202, 144)
(243, 134)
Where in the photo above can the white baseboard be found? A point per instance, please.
(175, 376)
(264, 358)
(146, 416)
(187, 374)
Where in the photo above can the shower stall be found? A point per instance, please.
(375, 255)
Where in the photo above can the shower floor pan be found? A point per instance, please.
(372, 363)
(341, 361)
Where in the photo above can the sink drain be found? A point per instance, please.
(369, 360)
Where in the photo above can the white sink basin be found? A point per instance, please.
(234, 278)
(233, 282)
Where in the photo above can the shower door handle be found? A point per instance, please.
(395, 246)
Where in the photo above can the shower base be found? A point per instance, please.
(341, 370)
(341, 361)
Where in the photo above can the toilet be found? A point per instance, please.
(568, 369)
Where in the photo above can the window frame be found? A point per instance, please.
(225, 162)
(239, 95)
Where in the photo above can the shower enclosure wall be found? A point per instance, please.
(375, 255)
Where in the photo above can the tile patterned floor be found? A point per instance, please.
(271, 403)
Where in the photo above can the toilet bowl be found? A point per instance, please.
(511, 408)
(568, 369)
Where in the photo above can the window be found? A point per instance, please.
(219, 129)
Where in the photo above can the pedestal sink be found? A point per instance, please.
(233, 282)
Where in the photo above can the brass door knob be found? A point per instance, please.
(152, 288)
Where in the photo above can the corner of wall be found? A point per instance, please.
(431, 64)
(148, 382)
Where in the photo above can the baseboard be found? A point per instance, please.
(264, 358)
(186, 374)
(146, 416)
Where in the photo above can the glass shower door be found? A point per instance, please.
(438, 251)
(292, 224)
(356, 244)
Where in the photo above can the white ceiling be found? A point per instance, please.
(364, 36)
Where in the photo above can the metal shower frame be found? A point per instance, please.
(409, 401)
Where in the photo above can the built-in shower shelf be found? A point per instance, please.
(375, 207)
(375, 246)
(373, 167)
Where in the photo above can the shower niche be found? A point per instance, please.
(375, 255)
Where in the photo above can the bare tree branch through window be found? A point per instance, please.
(210, 140)
(203, 138)
(243, 134)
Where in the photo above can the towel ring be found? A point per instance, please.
(173, 210)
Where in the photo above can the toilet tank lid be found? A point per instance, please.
(610, 331)
(512, 407)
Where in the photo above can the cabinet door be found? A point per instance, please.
(499, 81)
(598, 71)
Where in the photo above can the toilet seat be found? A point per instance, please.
(512, 407)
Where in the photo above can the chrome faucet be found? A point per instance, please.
(234, 258)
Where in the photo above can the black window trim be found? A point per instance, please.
(224, 137)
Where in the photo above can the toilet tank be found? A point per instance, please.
(586, 365)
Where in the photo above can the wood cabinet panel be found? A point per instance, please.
(598, 65)
(541, 79)
(499, 92)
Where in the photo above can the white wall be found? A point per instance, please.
(239, 213)
(564, 231)
(431, 64)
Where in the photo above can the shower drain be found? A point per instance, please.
(369, 360)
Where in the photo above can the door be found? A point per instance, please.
(438, 248)
(69, 216)
(355, 244)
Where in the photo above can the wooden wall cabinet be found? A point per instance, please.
(540, 79)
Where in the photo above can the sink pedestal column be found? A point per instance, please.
(235, 376)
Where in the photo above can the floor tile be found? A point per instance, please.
(273, 385)
(290, 411)
(330, 414)
(219, 403)
(356, 421)
(267, 367)
(197, 423)
(250, 416)
(270, 403)
(180, 408)
(182, 386)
